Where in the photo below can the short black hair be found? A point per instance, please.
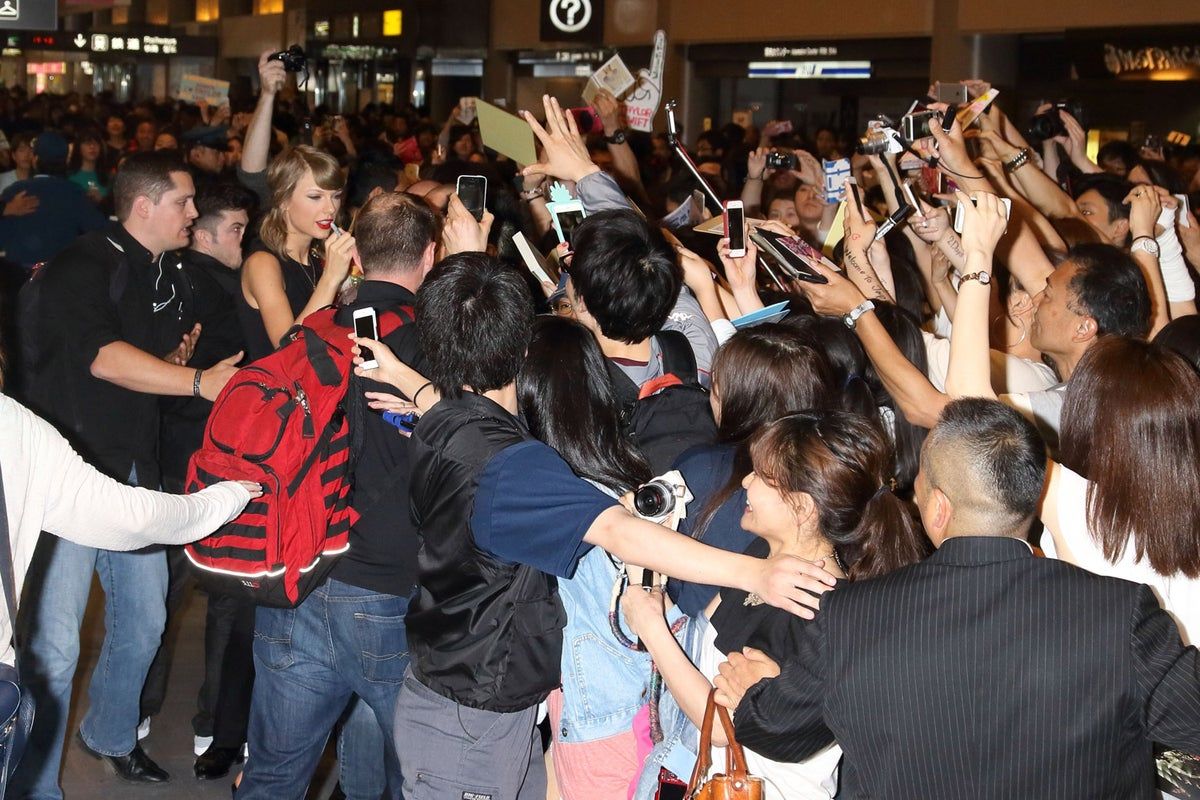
(1109, 287)
(626, 274)
(367, 176)
(215, 198)
(474, 321)
(144, 174)
(1118, 150)
(1002, 449)
(1114, 190)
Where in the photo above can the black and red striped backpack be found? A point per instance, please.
(282, 422)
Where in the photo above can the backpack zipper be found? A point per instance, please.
(302, 399)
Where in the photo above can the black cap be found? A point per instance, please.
(213, 136)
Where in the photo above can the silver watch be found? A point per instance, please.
(851, 319)
(1145, 244)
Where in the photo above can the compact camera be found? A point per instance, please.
(879, 139)
(917, 125)
(661, 499)
(293, 58)
(781, 160)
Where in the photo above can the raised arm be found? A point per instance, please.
(257, 146)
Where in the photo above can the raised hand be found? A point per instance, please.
(564, 154)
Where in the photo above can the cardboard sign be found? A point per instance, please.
(613, 77)
(642, 103)
(506, 134)
(194, 88)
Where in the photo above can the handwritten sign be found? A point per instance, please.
(642, 103)
(194, 88)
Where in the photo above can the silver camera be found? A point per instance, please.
(666, 497)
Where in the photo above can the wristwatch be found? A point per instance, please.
(983, 276)
(851, 319)
(1146, 244)
(616, 138)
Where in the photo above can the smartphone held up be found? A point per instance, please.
(366, 326)
(472, 191)
(735, 228)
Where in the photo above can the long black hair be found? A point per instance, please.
(568, 401)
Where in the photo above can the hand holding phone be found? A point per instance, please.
(472, 191)
(366, 326)
(735, 228)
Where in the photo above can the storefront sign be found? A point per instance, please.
(28, 15)
(799, 52)
(813, 70)
(1155, 63)
(596, 56)
(572, 20)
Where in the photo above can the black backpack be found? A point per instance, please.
(670, 414)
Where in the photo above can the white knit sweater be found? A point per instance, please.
(48, 487)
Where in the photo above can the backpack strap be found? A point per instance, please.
(318, 329)
(678, 358)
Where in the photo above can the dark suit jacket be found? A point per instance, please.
(981, 673)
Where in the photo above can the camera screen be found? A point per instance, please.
(568, 221)
(471, 190)
(737, 228)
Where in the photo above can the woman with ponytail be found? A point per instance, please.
(820, 489)
(759, 375)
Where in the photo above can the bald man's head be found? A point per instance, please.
(988, 464)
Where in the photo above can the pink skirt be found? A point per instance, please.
(602, 769)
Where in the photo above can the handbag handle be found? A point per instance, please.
(735, 757)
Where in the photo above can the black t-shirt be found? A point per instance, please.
(114, 428)
(774, 631)
(299, 283)
(383, 545)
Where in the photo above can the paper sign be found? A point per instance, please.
(837, 230)
(836, 173)
(194, 88)
(969, 114)
(686, 214)
(533, 259)
(466, 110)
(716, 225)
(772, 313)
(642, 103)
(613, 76)
(506, 134)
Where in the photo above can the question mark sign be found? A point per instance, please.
(577, 13)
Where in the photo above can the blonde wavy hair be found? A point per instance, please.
(284, 173)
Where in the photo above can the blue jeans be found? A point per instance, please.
(309, 661)
(135, 613)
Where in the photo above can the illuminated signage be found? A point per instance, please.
(393, 22)
(29, 15)
(810, 70)
(572, 20)
(321, 29)
(1155, 63)
(100, 42)
(799, 52)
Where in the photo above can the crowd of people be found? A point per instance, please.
(933, 533)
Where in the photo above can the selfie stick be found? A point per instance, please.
(676, 143)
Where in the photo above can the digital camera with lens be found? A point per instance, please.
(781, 160)
(663, 498)
(879, 139)
(1049, 124)
(917, 125)
(293, 58)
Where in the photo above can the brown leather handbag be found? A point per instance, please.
(735, 783)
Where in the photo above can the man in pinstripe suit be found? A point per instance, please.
(983, 672)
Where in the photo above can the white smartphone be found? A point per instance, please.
(735, 227)
(366, 326)
(567, 215)
(960, 218)
(472, 191)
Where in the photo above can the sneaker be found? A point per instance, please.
(144, 729)
(200, 744)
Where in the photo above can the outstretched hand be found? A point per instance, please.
(564, 154)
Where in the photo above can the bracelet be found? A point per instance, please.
(1017, 161)
(750, 177)
(196, 383)
(417, 393)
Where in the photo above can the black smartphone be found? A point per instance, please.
(857, 199)
(472, 191)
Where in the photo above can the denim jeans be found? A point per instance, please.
(135, 588)
(309, 661)
(361, 750)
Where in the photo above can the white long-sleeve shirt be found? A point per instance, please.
(48, 487)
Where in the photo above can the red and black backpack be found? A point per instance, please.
(282, 422)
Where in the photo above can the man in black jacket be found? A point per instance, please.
(347, 639)
(983, 672)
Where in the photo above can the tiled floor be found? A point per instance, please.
(170, 740)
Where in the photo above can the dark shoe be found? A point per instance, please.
(216, 762)
(137, 767)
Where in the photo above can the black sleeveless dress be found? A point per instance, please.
(299, 283)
